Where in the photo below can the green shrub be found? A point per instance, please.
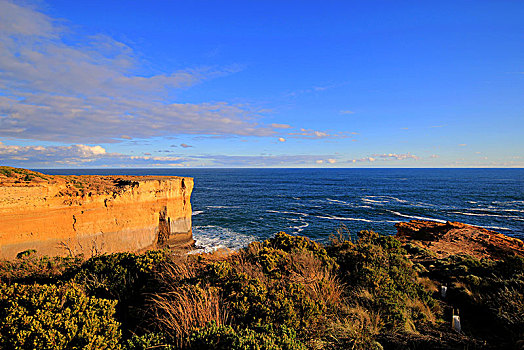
(55, 317)
(125, 277)
(28, 268)
(378, 264)
(147, 341)
(213, 337)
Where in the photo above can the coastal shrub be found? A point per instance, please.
(28, 268)
(55, 317)
(147, 341)
(125, 277)
(214, 337)
(285, 280)
(378, 265)
(495, 295)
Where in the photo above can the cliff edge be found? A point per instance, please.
(61, 215)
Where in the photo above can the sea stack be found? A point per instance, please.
(64, 215)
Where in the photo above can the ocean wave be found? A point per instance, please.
(415, 217)
(495, 227)
(496, 209)
(196, 212)
(286, 212)
(220, 206)
(301, 227)
(367, 200)
(484, 214)
(337, 201)
(210, 238)
(390, 197)
(343, 218)
(519, 202)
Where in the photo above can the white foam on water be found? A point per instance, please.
(496, 227)
(493, 215)
(367, 200)
(337, 201)
(415, 217)
(496, 209)
(508, 202)
(390, 197)
(196, 212)
(301, 227)
(210, 238)
(344, 218)
(286, 212)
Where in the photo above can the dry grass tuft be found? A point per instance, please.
(358, 330)
(178, 312)
(428, 284)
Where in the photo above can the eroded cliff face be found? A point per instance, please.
(61, 215)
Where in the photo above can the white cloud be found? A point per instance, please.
(80, 155)
(60, 154)
(285, 160)
(58, 86)
(280, 126)
(332, 161)
(347, 112)
(386, 157)
(315, 134)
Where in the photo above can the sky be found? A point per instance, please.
(93, 84)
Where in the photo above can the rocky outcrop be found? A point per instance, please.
(61, 215)
(450, 238)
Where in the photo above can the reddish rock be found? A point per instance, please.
(445, 239)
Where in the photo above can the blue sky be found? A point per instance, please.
(262, 83)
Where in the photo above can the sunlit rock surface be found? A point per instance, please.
(62, 215)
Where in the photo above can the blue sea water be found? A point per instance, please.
(232, 207)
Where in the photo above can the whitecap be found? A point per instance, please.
(196, 212)
(344, 218)
(301, 227)
(483, 214)
(367, 200)
(286, 212)
(415, 217)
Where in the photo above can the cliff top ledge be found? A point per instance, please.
(450, 238)
(74, 184)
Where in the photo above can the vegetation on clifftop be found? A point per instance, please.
(287, 292)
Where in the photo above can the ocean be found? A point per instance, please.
(232, 207)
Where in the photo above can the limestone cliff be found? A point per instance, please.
(60, 215)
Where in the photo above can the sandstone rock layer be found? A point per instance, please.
(61, 215)
(445, 239)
